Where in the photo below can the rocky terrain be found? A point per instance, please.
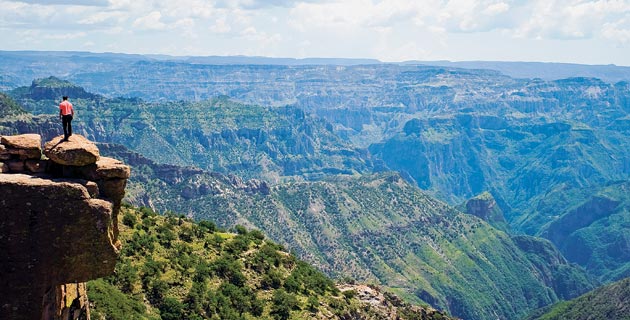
(535, 160)
(58, 224)
(529, 156)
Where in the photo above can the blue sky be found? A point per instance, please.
(590, 32)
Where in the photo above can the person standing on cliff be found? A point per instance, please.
(66, 112)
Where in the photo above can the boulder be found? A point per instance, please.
(25, 146)
(30, 141)
(106, 168)
(57, 225)
(77, 151)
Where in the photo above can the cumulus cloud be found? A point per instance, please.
(220, 26)
(618, 31)
(563, 19)
(103, 17)
(389, 29)
(151, 21)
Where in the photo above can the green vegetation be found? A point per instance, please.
(540, 170)
(608, 302)
(541, 160)
(8, 107)
(172, 268)
(376, 229)
(594, 232)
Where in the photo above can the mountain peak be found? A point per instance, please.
(51, 88)
(485, 207)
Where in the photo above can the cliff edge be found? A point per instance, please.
(58, 224)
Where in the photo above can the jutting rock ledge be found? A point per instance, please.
(58, 224)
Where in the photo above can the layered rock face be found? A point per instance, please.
(57, 225)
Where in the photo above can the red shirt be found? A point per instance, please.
(65, 107)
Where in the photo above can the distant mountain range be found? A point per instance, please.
(20, 67)
(545, 158)
(371, 227)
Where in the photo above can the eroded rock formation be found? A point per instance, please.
(57, 225)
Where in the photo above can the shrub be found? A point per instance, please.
(171, 309)
(349, 294)
(208, 226)
(240, 229)
(109, 302)
(129, 220)
(283, 303)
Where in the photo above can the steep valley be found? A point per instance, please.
(305, 154)
(374, 228)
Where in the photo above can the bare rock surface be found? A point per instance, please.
(27, 141)
(26, 146)
(53, 233)
(386, 305)
(58, 224)
(77, 151)
(106, 168)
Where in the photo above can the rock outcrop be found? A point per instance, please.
(485, 207)
(58, 225)
(385, 305)
(77, 151)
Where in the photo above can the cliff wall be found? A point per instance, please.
(58, 224)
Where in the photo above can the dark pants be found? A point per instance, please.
(67, 126)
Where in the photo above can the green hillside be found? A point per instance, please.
(539, 172)
(374, 228)
(604, 303)
(172, 268)
(594, 232)
(8, 107)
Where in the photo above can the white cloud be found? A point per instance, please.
(220, 26)
(496, 8)
(152, 21)
(104, 17)
(564, 19)
(386, 29)
(617, 31)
